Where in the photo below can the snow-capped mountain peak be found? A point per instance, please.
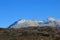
(21, 21)
(26, 23)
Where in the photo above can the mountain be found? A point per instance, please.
(32, 30)
(22, 23)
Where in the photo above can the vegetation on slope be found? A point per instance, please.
(30, 33)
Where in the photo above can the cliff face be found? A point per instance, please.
(30, 33)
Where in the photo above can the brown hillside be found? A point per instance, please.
(30, 33)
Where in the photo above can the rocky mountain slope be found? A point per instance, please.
(30, 33)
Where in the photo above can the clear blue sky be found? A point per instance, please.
(12, 10)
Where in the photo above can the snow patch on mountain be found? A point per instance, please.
(51, 19)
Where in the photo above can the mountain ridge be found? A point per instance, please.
(25, 23)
